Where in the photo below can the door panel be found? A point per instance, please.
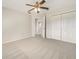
(54, 27)
(68, 27)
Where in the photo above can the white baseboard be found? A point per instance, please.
(63, 40)
(20, 38)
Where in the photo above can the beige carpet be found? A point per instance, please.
(39, 48)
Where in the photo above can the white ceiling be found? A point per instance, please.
(54, 5)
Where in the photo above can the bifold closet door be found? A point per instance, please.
(54, 27)
(69, 27)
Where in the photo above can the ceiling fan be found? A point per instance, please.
(37, 6)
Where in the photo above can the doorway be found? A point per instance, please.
(38, 28)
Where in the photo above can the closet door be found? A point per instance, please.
(54, 27)
(68, 27)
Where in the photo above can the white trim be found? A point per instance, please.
(28, 36)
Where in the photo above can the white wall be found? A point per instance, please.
(16, 25)
(62, 27)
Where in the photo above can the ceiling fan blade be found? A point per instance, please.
(30, 10)
(42, 2)
(29, 5)
(44, 8)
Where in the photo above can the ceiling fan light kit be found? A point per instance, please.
(37, 6)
